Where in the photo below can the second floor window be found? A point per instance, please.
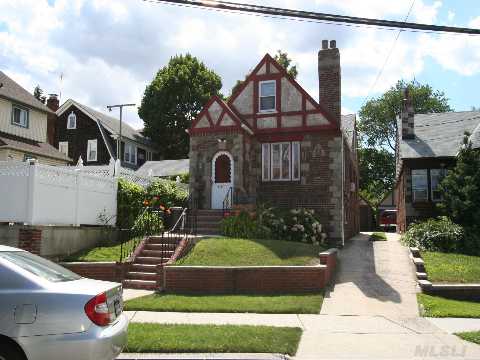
(420, 185)
(92, 150)
(267, 95)
(129, 153)
(20, 116)
(72, 121)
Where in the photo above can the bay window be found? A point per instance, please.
(281, 161)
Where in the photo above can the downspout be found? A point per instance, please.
(343, 192)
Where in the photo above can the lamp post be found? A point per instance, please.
(119, 138)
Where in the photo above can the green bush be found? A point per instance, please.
(149, 222)
(244, 226)
(130, 197)
(440, 234)
(471, 241)
(166, 193)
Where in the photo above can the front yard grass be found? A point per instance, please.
(472, 336)
(436, 306)
(106, 252)
(244, 252)
(379, 236)
(451, 268)
(262, 304)
(161, 338)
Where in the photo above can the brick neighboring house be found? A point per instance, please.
(26, 126)
(273, 143)
(427, 145)
(90, 134)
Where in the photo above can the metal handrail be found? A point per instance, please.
(228, 200)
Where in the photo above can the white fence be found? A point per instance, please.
(37, 194)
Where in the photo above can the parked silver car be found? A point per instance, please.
(48, 312)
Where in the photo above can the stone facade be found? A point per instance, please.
(297, 118)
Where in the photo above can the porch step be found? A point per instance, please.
(157, 253)
(139, 284)
(208, 222)
(133, 275)
(150, 260)
(161, 247)
(157, 239)
(145, 268)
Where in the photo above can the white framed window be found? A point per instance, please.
(92, 150)
(267, 96)
(20, 116)
(436, 177)
(72, 121)
(129, 153)
(63, 147)
(281, 161)
(420, 185)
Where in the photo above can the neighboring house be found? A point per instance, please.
(25, 126)
(164, 168)
(427, 145)
(273, 143)
(87, 133)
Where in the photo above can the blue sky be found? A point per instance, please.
(108, 51)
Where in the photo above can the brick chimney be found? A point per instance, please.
(407, 116)
(53, 104)
(329, 76)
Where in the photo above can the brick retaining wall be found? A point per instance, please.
(250, 279)
(109, 271)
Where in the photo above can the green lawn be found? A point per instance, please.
(266, 304)
(243, 252)
(435, 306)
(379, 236)
(110, 252)
(163, 338)
(473, 336)
(451, 268)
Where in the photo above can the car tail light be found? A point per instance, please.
(97, 310)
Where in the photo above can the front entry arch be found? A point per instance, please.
(222, 177)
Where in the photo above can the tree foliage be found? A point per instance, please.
(461, 187)
(377, 174)
(378, 124)
(173, 99)
(38, 94)
(283, 59)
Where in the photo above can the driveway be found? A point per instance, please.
(372, 312)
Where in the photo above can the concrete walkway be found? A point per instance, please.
(456, 325)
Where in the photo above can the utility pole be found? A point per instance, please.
(119, 137)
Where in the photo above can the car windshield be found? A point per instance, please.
(41, 267)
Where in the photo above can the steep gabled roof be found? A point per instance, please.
(440, 134)
(9, 89)
(109, 123)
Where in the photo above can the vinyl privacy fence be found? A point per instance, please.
(37, 194)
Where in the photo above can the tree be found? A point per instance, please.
(377, 169)
(173, 99)
(461, 187)
(378, 125)
(283, 59)
(38, 94)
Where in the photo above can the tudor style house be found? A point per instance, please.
(273, 143)
(427, 145)
(82, 132)
(26, 126)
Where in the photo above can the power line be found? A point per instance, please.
(380, 72)
(316, 16)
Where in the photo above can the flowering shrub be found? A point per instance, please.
(149, 222)
(269, 223)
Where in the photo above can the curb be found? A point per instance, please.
(201, 356)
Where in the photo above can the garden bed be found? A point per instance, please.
(249, 303)
(244, 252)
(161, 338)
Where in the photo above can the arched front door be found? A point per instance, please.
(222, 178)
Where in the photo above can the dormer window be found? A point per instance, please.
(20, 116)
(267, 95)
(72, 121)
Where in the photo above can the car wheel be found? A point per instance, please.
(9, 352)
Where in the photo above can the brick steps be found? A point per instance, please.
(142, 274)
(208, 222)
